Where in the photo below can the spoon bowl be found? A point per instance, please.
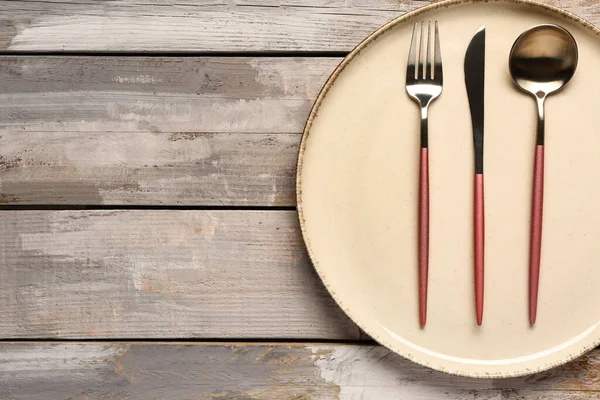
(543, 59)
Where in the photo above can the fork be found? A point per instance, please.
(424, 84)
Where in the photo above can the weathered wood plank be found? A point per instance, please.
(161, 274)
(94, 371)
(148, 169)
(172, 131)
(219, 25)
(159, 94)
(188, 25)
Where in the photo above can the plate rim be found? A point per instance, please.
(300, 163)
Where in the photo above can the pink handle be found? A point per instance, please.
(423, 234)
(479, 234)
(536, 232)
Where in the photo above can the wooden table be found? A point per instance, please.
(149, 247)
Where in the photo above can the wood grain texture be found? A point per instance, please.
(216, 25)
(159, 94)
(161, 274)
(152, 371)
(188, 25)
(154, 130)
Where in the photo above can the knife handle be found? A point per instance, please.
(479, 236)
(423, 234)
(536, 231)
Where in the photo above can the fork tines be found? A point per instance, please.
(419, 62)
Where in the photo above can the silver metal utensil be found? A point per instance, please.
(424, 84)
(542, 60)
(475, 82)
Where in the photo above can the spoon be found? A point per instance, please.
(542, 60)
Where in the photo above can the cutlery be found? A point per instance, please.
(542, 61)
(474, 81)
(424, 84)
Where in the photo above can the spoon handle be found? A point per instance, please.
(423, 234)
(479, 231)
(536, 231)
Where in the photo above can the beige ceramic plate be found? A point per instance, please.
(357, 181)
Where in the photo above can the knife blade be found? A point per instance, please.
(475, 82)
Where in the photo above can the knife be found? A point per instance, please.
(474, 80)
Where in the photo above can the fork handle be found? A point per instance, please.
(423, 219)
(423, 234)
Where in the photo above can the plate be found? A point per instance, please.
(357, 197)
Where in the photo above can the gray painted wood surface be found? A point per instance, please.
(161, 274)
(159, 94)
(214, 25)
(237, 371)
(195, 131)
(154, 130)
(189, 25)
